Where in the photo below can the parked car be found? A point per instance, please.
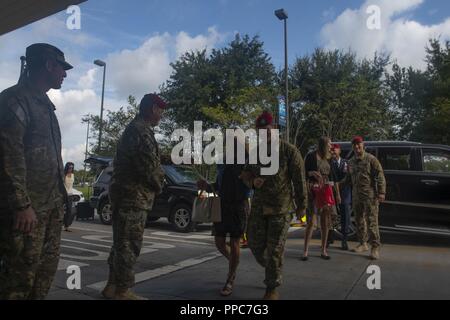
(174, 203)
(76, 197)
(418, 185)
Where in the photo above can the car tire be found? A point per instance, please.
(105, 212)
(181, 218)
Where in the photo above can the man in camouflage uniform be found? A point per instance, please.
(366, 177)
(137, 178)
(272, 205)
(32, 190)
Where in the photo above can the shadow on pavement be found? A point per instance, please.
(393, 238)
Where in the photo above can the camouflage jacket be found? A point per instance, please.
(137, 175)
(286, 190)
(31, 168)
(366, 177)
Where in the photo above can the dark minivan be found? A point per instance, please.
(418, 185)
(174, 203)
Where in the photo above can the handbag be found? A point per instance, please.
(323, 195)
(207, 209)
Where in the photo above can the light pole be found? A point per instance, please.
(86, 152)
(101, 63)
(282, 15)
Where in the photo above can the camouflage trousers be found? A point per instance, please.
(267, 238)
(128, 233)
(28, 263)
(366, 218)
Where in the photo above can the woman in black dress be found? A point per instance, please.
(234, 196)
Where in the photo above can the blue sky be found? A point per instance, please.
(138, 39)
(130, 22)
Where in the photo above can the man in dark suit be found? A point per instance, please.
(340, 168)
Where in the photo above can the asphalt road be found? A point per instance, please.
(187, 266)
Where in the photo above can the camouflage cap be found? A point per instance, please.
(38, 52)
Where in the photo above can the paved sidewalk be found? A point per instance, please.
(407, 272)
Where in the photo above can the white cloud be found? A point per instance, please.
(399, 36)
(10, 74)
(144, 69)
(185, 43)
(140, 71)
(129, 71)
(75, 155)
(87, 81)
(71, 106)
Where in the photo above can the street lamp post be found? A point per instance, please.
(86, 152)
(101, 63)
(282, 15)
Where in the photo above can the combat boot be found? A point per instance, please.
(375, 253)
(127, 294)
(271, 294)
(110, 289)
(361, 248)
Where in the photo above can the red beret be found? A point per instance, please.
(264, 119)
(152, 99)
(335, 146)
(357, 139)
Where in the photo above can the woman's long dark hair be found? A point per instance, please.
(66, 168)
(322, 149)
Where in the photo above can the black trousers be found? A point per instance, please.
(68, 213)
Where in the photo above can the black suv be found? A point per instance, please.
(418, 185)
(174, 203)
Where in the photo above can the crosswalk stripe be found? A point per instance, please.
(209, 243)
(158, 272)
(191, 236)
(63, 264)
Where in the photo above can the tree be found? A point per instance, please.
(228, 88)
(409, 90)
(340, 97)
(225, 89)
(114, 124)
(421, 99)
(436, 123)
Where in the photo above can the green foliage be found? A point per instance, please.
(225, 89)
(332, 93)
(341, 96)
(436, 123)
(421, 100)
(114, 124)
(407, 99)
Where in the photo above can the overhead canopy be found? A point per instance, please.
(15, 14)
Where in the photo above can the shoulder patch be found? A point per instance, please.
(12, 108)
(16, 108)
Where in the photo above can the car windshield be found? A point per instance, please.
(181, 174)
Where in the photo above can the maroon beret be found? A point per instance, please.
(152, 99)
(357, 140)
(265, 119)
(335, 146)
